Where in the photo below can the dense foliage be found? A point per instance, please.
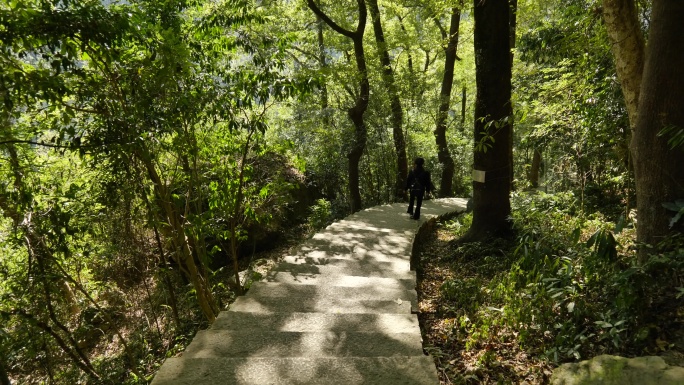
(569, 286)
(150, 149)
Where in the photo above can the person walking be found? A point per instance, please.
(418, 182)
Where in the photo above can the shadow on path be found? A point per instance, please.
(338, 311)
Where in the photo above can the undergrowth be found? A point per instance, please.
(569, 287)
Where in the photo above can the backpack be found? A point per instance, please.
(417, 186)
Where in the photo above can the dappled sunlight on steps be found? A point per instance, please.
(336, 312)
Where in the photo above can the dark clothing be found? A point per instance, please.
(418, 182)
(419, 179)
(416, 196)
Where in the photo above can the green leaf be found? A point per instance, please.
(671, 206)
(620, 225)
(576, 235)
(676, 218)
(603, 324)
(592, 240)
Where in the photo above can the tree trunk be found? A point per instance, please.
(176, 233)
(443, 154)
(395, 103)
(357, 111)
(69, 297)
(324, 64)
(533, 176)
(627, 44)
(659, 170)
(463, 105)
(491, 202)
(237, 212)
(165, 274)
(4, 378)
(512, 24)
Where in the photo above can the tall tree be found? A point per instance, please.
(4, 379)
(658, 168)
(443, 154)
(533, 174)
(395, 103)
(512, 24)
(357, 111)
(324, 64)
(627, 44)
(493, 121)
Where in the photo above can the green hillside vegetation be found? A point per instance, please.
(157, 156)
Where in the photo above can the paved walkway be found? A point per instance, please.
(338, 312)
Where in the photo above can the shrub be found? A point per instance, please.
(321, 214)
(575, 288)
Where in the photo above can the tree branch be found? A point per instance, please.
(442, 31)
(60, 341)
(305, 53)
(312, 5)
(43, 144)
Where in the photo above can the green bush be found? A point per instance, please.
(321, 214)
(574, 289)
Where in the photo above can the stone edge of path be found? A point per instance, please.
(424, 231)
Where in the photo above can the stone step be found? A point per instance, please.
(395, 243)
(400, 224)
(353, 253)
(366, 265)
(317, 322)
(342, 280)
(263, 343)
(398, 370)
(304, 270)
(279, 289)
(313, 296)
(318, 305)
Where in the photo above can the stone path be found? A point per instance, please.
(339, 311)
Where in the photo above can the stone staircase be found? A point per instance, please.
(339, 311)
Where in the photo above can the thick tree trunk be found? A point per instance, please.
(395, 103)
(356, 115)
(357, 111)
(659, 170)
(512, 24)
(533, 175)
(443, 154)
(491, 203)
(627, 44)
(4, 378)
(356, 152)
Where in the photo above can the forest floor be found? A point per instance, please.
(494, 363)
